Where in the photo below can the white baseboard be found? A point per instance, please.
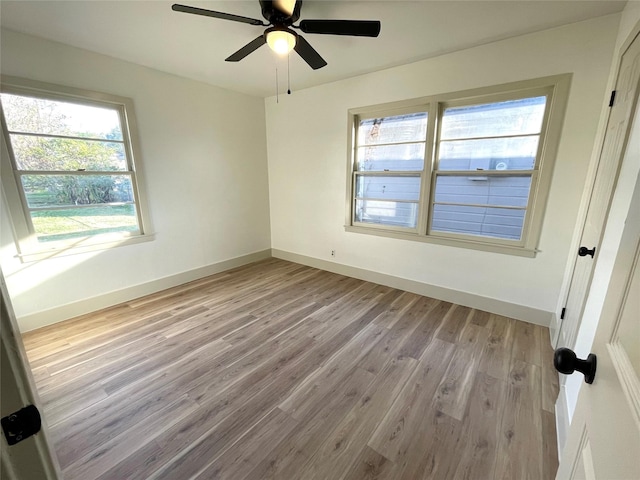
(64, 312)
(562, 420)
(492, 305)
(81, 307)
(554, 330)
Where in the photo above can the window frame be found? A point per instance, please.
(555, 88)
(402, 110)
(27, 244)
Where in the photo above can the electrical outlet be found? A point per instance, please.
(333, 253)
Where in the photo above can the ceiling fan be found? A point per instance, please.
(281, 15)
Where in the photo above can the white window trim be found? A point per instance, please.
(27, 245)
(555, 87)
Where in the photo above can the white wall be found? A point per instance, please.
(204, 156)
(307, 151)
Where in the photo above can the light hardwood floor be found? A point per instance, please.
(277, 370)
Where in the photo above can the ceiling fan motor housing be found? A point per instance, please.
(277, 17)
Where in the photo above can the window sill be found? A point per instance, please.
(469, 244)
(83, 245)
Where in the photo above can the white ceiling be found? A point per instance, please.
(149, 33)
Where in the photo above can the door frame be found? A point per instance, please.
(563, 416)
(35, 455)
(592, 177)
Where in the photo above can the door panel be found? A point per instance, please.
(604, 438)
(607, 172)
(32, 458)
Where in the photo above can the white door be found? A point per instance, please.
(31, 458)
(607, 173)
(604, 438)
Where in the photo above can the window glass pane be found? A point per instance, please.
(399, 214)
(55, 117)
(66, 190)
(502, 191)
(392, 188)
(514, 117)
(483, 221)
(399, 128)
(404, 157)
(47, 153)
(512, 153)
(51, 225)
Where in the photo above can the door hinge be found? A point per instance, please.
(21, 424)
(564, 310)
(612, 98)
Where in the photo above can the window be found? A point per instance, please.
(468, 169)
(71, 155)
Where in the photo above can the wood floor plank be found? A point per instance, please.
(303, 399)
(286, 460)
(480, 318)
(550, 450)
(482, 429)
(454, 391)
(93, 464)
(527, 343)
(400, 331)
(224, 417)
(136, 466)
(88, 428)
(388, 347)
(425, 459)
(248, 451)
(496, 356)
(454, 323)
(369, 465)
(104, 350)
(336, 455)
(396, 310)
(415, 324)
(361, 310)
(429, 317)
(58, 411)
(272, 383)
(104, 338)
(41, 375)
(395, 433)
(241, 417)
(276, 370)
(176, 354)
(115, 360)
(520, 450)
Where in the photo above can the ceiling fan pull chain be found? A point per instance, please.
(288, 75)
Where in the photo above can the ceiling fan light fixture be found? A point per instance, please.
(281, 41)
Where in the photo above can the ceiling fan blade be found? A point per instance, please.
(308, 54)
(176, 7)
(357, 28)
(247, 49)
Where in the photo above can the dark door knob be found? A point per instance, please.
(584, 251)
(566, 362)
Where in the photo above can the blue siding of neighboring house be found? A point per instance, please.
(477, 190)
